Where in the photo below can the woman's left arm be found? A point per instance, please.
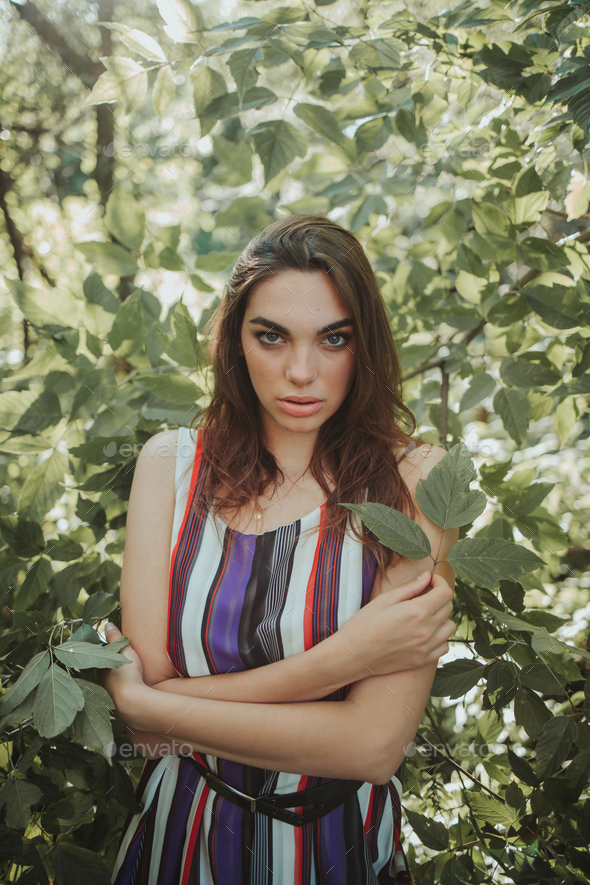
(360, 738)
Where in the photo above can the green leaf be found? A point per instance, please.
(200, 284)
(82, 655)
(432, 833)
(522, 770)
(43, 486)
(480, 387)
(558, 306)
(125, 219)
(164, 90)
(92, 725)
(125, 80)
(129, 325)
(491, 810)
(46, 307)
(28, 680)
(373, 134)
(321, 120)
(242, 65)
(524, 501)
(277, 144)
(108, 258)
(514, 409)
(486, 561)
(23, 536)
(75, 865)
(541, 254)
(96, 292)
(139, 42)
(444, 495)
(183, 345)
(183, 20)
(530, 712)
(490, 219)
(207, 84)
(64, 549)
(553, 744)
(457, 678)
(527, 375)
(176, 389)
(35, 583)
(394, 529)
(44, 412)
(57, 701)
(19, 795)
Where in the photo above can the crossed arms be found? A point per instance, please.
(272, 716)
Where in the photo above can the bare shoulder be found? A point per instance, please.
(418, 462)
(157, 461)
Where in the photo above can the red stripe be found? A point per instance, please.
(186, 870)
(193, 483)
(369, 813)
(310, 591)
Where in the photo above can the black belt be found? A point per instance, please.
(276, 805)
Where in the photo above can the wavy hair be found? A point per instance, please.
(355, 447)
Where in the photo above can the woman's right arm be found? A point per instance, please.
(376, 639)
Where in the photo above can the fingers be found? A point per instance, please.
(111, 632)
(410, 589)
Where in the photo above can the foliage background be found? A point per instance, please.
(137, 158)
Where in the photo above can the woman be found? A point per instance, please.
(245, 590)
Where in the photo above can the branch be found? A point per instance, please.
(84, 68)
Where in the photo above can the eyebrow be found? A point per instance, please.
(337, 324)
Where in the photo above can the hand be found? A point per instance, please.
(401, 629)
(118, 680)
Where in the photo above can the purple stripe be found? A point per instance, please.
(332, 848)
(225, 843)
(227, 605)
(176, 828)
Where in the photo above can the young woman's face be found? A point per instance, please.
(298, 342)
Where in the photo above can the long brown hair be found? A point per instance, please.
(355, 446)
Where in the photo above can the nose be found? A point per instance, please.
(301, 367)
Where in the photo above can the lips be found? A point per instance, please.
(299, 399)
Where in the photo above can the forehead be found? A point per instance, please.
(298, 292)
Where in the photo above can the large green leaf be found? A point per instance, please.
(183, 345)
(92, 725)
(125, 80)
(277, 143)
(455, 679)
(18, 795)
(75, 865)
(82, 655)
(514, 409)
(57, 701)
(553, 744)
(486, 561)
(43, 486)
(433, 834)
(30, 677)
(43, 307)
(394, 529)
(491, 810)
(321, 120)
(444, 495)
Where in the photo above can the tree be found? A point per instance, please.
(454, 143)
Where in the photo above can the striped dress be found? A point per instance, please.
(238, 601)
